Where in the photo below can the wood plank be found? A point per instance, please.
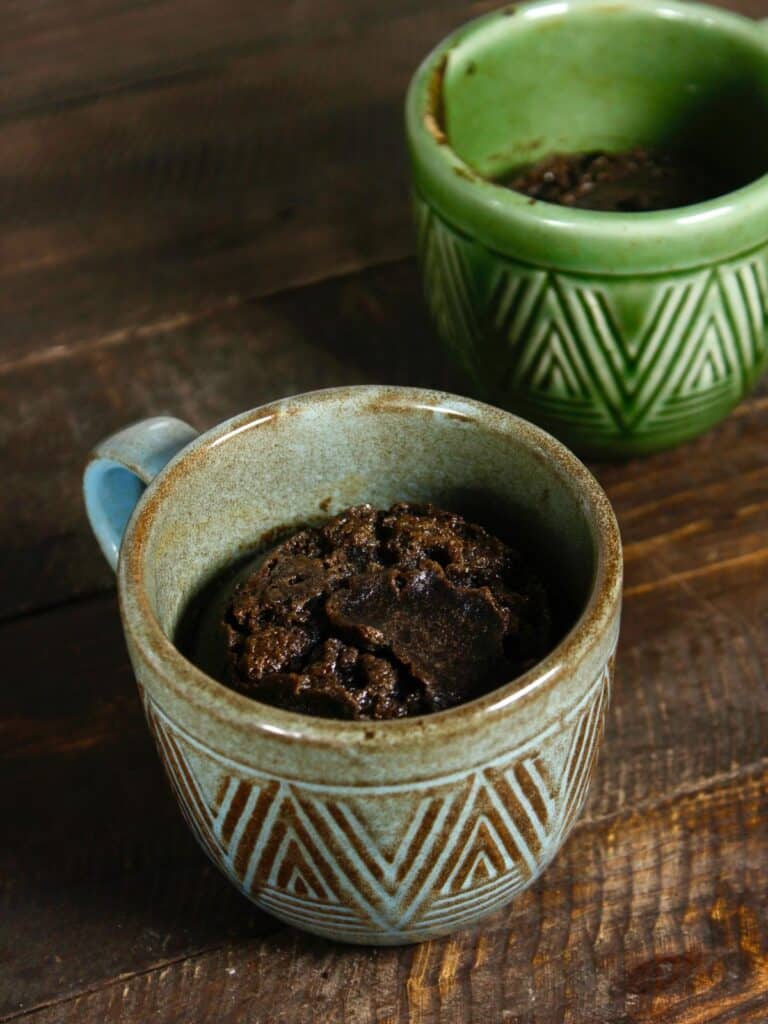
(200, 158)
(139, 214)
(98, 873)
(53, 61)
(369, 327)
(363, 328)
(656, 914)
(113, 882)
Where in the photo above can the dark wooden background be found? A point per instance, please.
(203, 207)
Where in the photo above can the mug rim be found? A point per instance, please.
(543, 233)
(593, 629)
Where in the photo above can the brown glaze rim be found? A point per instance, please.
(216, 700)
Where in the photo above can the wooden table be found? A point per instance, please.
(204, 207)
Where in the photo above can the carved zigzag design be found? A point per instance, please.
(611, 356)
(384, 861)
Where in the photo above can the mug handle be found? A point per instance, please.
(119, 470)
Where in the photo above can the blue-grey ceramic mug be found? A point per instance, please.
(369, 832)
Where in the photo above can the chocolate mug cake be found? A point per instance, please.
(385, 614)
(637, 180)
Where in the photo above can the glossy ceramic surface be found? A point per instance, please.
(622, 333)
(369, 832)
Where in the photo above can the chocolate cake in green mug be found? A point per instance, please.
(621, 332)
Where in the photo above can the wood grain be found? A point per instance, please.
(98, 874)
(368, 327)
(648, 915)
(362, 328)
(157, 160)
(690, 705)
(691, 699)
(169, 176)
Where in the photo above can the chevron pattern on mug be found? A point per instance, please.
(609, 363)
(388, 863)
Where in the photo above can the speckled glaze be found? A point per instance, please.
(622, 333)
(368, 832)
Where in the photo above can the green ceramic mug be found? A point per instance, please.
(622, 333)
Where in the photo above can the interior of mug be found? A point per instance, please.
(563, 77)
(304, 459)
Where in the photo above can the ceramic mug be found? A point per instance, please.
(622, 333)
(370, 832)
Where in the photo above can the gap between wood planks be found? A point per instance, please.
(755, 773)
(725, 564)
(121, 979)
(179, 321)
(749, 405)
